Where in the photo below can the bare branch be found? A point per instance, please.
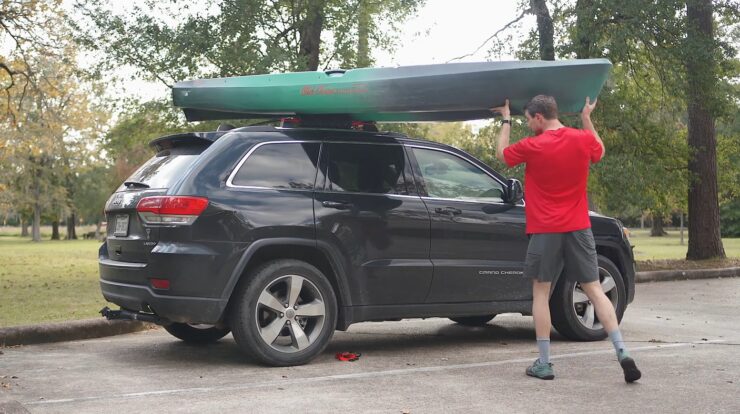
(521, 16)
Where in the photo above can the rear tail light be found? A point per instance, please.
(171, 209)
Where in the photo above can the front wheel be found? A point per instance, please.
(574, 316)
(196, 334)
(284, 313)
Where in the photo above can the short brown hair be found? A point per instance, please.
(542, 104)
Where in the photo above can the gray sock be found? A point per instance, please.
(617, 341)
(543, 344)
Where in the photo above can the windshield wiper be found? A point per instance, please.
(135, 184)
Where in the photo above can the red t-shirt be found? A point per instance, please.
(556, 174)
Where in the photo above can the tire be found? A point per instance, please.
(195, 334)
(570, 316)
(479, 320)
(265, 328)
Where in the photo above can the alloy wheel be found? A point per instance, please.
(290, 314)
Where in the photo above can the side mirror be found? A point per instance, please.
(514, 191)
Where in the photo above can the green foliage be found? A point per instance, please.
(730, 219)
(93, 185)
(641, 114)
(237, 37)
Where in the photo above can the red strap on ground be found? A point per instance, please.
(348, 356)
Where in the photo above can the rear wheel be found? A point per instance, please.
(479, 320)
(574, 316)
(284, 313)
(196, 334)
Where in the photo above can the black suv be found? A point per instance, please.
(282, 235)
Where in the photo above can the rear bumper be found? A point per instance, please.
(127, 285)
(174, 308)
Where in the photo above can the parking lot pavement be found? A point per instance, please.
(684, 336)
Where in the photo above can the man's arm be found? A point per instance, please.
(503, 136)
(588, 125)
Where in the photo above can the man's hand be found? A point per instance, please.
(588, 108)
(587, 124)
(503, 137)
(504, 110)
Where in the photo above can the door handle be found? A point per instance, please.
(450, 211)
(339, 205)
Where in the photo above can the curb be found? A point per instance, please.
(98, 328)
(668, 275)
(67, 331)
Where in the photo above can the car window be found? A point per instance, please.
(163, 169)
(448, 176)
(366, 168)
(280, 165)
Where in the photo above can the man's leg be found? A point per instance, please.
(542, 265)
(541, 368)
(581, 260)
(541, 315)
(608, 318)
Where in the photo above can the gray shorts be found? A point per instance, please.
(549, 254)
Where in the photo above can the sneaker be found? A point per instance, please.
(631, 373)
(541, 370)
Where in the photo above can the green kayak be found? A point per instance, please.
(444, 92)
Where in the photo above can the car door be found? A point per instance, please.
(478, 242)
(369, 210)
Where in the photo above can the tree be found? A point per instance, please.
(52, 133)
(544, 29)
(240, 37)
(666, 50)
(27, 30)
(701, 70)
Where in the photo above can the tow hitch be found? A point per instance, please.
(124, 314)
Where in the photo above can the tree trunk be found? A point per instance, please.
(657, 230)
(310, 34)
(36, 228)
(71, 230)
(363, 32)
(24, 228)
(55, 230)
(544, 29)
(584, 29)
(97, 230)
(704, 227)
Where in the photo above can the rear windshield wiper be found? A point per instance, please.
(135, 184)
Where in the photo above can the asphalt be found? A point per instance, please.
(683, 334)
(100, 327)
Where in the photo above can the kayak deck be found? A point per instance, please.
(444, 92)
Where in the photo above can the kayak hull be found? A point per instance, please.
(445, 92)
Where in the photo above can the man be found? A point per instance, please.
(557, 162)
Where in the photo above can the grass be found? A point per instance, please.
(667, 252)
(48, 281)
(58, 280)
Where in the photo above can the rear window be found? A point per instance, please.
(280, 166)
(165, 168)
(366, 168)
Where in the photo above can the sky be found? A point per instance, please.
(446, 29)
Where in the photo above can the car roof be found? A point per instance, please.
(328, 134)
(272, 133)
